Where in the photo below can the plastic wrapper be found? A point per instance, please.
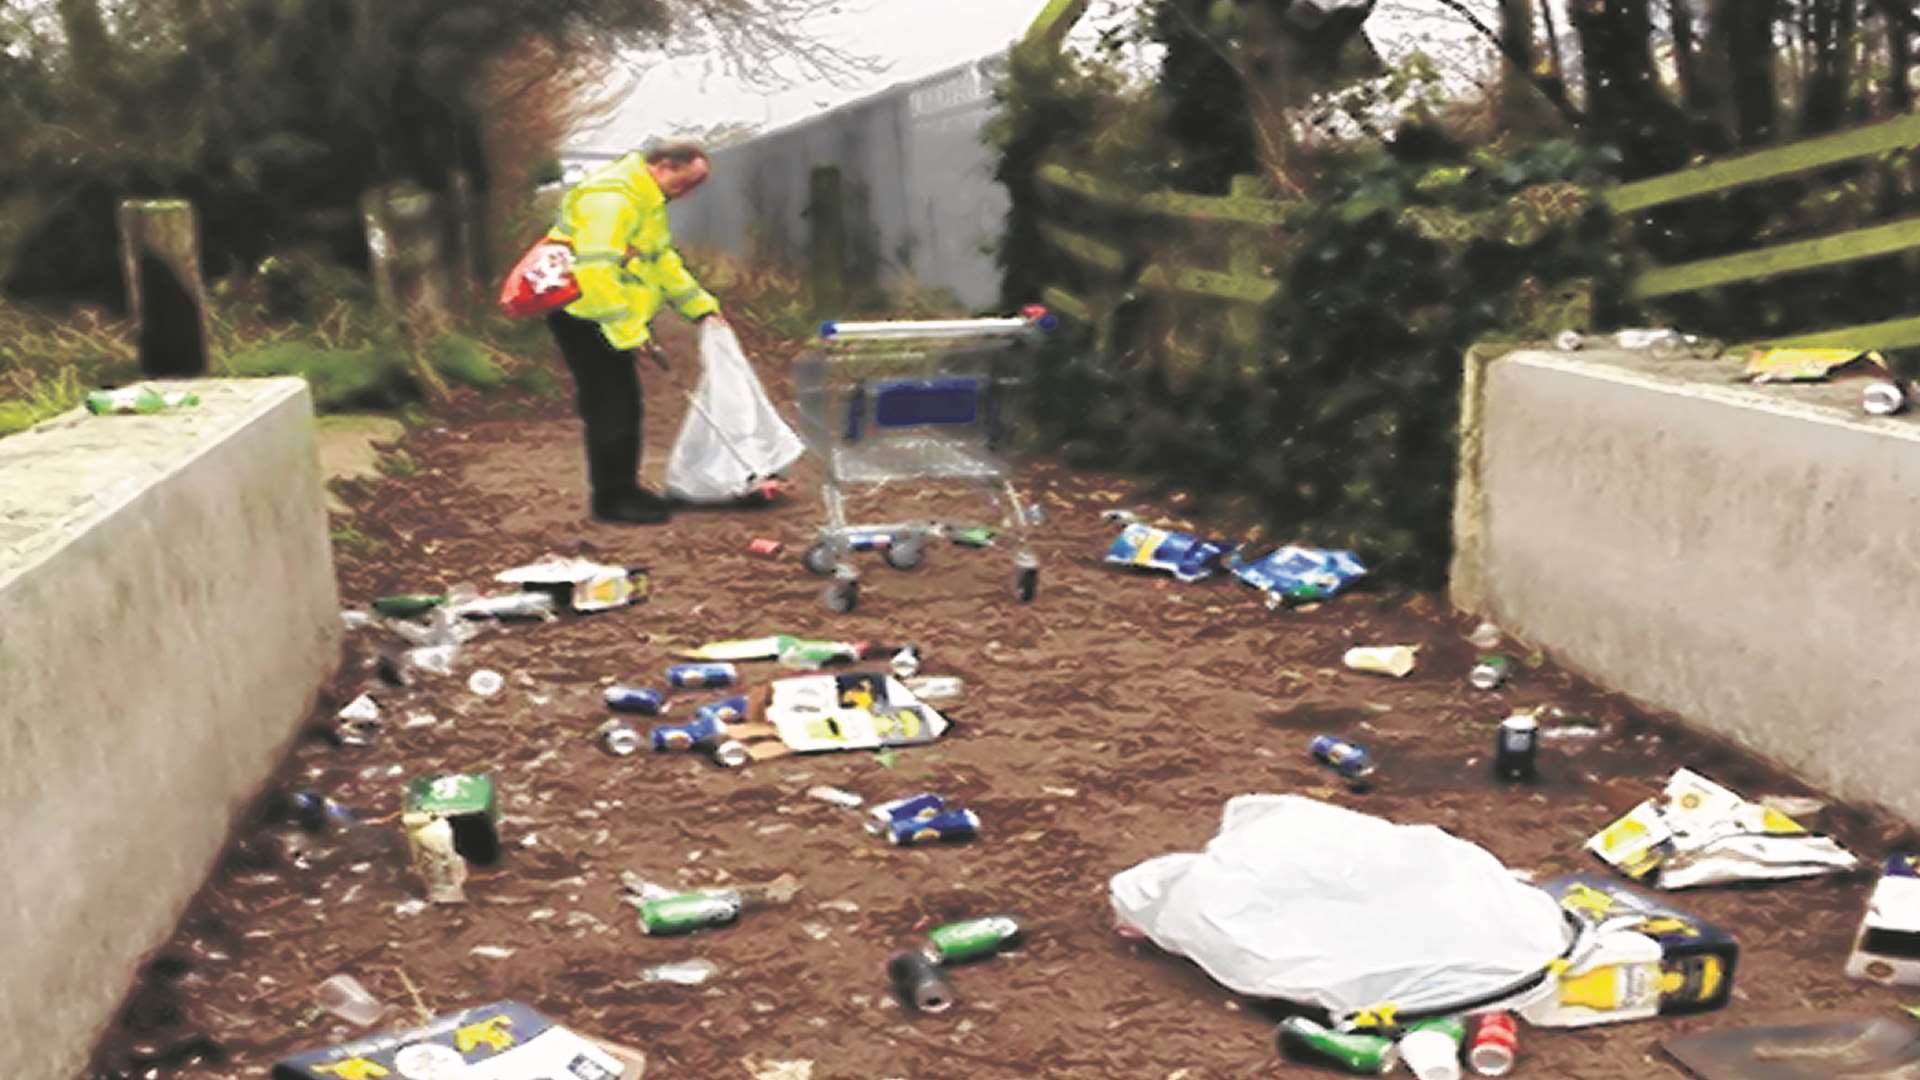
(1309, 903)
(1298, 574)
(1699, 833)
(1183, 555)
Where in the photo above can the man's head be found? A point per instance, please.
(678, 167)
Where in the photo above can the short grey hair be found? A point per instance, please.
(677, 151)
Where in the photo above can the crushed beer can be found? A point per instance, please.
(1882, 397)
(688, 912)
(1491, 672)
(1371, 1055)
(701, 676)
(635, 699)
(407, 605)
(920, 983)
(730, 711)
(698, 732)
(1496, 1042)
(732, 753)
(1185, 556)
(945, 825)
(912, 808)
(1348, 759)
(766, 548)
(973, 939)
(617, 738)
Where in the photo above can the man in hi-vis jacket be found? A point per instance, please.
(623, 257)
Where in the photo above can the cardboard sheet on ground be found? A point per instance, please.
(813, 713)
(1854, 1048)
(502, 1041)
(732, 435)
(1318, 905)
(1699, 833)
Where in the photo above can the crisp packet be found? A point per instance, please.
(1183, 555)
(1293, 574)
(1699, 833)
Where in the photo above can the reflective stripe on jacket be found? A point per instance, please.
(623, 257)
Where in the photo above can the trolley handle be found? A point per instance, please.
(1030, 319)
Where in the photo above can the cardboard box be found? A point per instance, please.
(502, 1041)
(1652, 958)
(469, 803)
(1887, 949)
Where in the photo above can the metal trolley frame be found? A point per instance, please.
(885, 402)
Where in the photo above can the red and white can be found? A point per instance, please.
(1496, 1039)
(765, 548)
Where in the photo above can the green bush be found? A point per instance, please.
(372, 376)
(465, 361)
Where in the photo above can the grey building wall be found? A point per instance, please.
(918, 178)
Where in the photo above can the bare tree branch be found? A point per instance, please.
(1551, 89)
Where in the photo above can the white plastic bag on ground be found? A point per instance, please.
(731, 435)
(1313, 904)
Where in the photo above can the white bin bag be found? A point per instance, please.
(731, 435)
(1306, 902)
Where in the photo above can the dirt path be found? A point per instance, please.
(1104, 724)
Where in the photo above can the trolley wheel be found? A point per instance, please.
(819, 559)
(842, 595)
(1026, 582)
(906, 553)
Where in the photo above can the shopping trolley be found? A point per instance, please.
(887, 402)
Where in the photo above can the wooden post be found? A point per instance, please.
(827, 250)
(1243, 261)
(406, 250)
(160, 260)
(463, 233)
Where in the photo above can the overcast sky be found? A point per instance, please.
(914, 38)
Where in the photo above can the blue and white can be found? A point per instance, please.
(945, 825)
(636, 699)
(912, 808)
(731, 711)
(700, 731)
(696, 676)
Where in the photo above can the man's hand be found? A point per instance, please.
(714, 315)
(652, 351)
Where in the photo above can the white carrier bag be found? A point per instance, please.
(732, 437)
(1317, 905)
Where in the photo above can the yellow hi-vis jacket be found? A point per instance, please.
(623, 257)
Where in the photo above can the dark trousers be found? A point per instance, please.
(607, 396)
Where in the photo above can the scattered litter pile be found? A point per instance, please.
(555, 816)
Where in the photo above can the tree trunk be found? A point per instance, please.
(1899, 63)
(1830, 28)
(1626, 104)
(160, 260)
(1692, 91)
(1519, 101)
(1741, 47)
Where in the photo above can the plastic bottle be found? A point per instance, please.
(138, 399)
(344, 997)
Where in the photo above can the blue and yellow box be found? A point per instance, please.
(502, 1041)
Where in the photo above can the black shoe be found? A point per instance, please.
(632, 508)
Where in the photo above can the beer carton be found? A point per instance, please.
(469, 803)
(1887, 949)
(1648, 958)
(502, 1041)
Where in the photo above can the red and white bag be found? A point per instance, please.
(540, 282)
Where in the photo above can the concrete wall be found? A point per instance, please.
(1747, 557)
(167, 610)
(918, 177)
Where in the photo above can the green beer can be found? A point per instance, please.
(1369, 1055)
(957, 943)
(407, 605)
(687, 912)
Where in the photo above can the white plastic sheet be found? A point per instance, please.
(1310, 903)
(732, 434)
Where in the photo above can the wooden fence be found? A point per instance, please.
(1251, 221)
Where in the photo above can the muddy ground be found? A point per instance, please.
(1103, 724)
